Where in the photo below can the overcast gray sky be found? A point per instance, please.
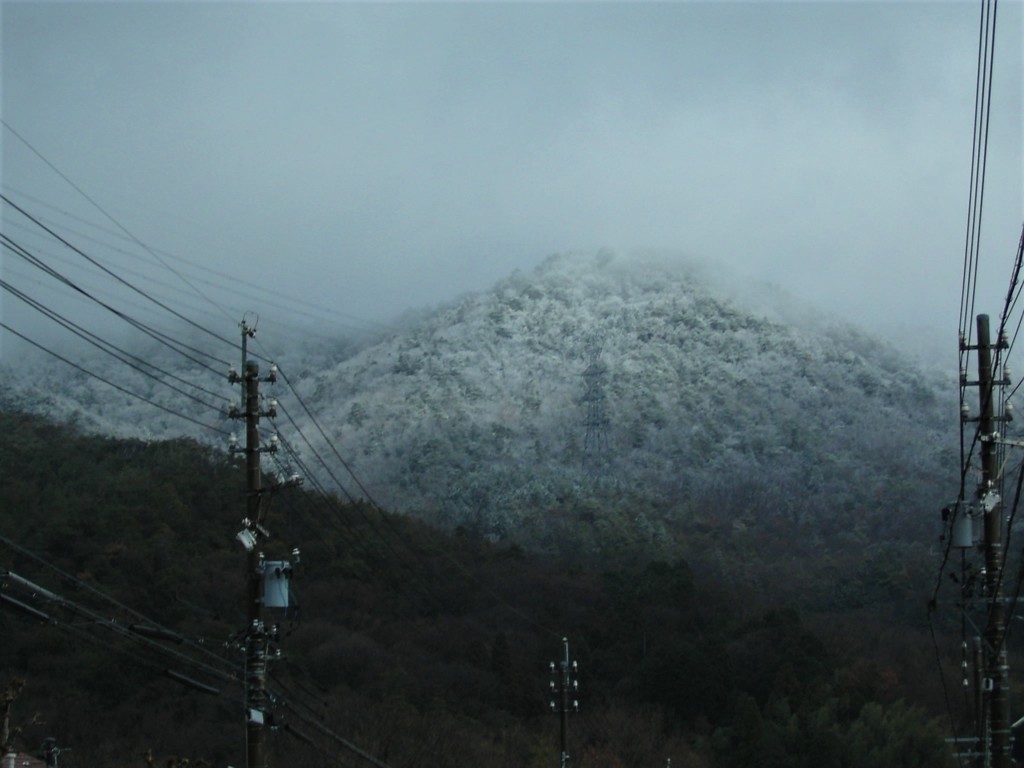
(374, 157)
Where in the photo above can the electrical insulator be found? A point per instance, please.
(232, 442)
(272, 410)
(233, 375)
(1004, 340)
(965, 412)
(273, 442)
(963, 376)
(552, 706)
(272, 376)
(247, 539)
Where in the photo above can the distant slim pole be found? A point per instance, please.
(565, 705)
(997, 670)
(566, 683)
(979, 704)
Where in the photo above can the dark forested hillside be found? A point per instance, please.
(425, 648)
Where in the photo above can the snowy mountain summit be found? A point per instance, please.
(600, 380)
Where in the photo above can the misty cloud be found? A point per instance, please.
(378, 157)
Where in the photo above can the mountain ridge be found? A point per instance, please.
(480, 413)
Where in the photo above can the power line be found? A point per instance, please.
(343, 527)
(118, 387)
(991, 445)
(143, 277)
(290, 304)
(96, 205)
(979, 160)
(109, 622)
(164, 306)
(64, 293)
(154, 334)
(120, 279)
(156, 252)
(93, 261)
(336, 738)
(383, 515)
(111, 349)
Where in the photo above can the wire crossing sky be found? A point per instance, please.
(375, 157)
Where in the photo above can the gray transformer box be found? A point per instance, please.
(277, 576)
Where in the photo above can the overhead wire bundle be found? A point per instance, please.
(993, 396)
(87, 279)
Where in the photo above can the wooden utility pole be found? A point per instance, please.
(257, 700)
(997, 671)
(256, 639)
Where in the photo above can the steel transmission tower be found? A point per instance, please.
(595, 442)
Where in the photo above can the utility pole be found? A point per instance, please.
(563, 681)
(997, 670)
(257, 699)
(993, 692)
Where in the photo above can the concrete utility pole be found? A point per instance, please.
(996, 684)
(563, 681)
(257, 700)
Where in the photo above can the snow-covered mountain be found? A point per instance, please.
(638, 382)
(635, 376)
